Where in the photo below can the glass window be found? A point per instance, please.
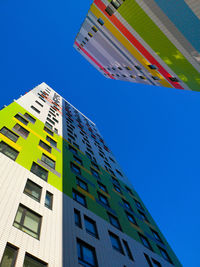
(35, 109)
(73, 150)
(86, 254)
(127, 249)
(49, 200)
(90, 226)
(102, 187)
(94, 173)
(115, 181)
(79, 161)
(145, 241)
(101, 22)
(30, 261)
(45, 146)
(144, 217)
(155, 263)
(28, 221)
(20, 118)
(9, 256)
(82, 184)
(39, 171)
(129, 190)
(30, 118)
(88, 155)
(164, 254)
(138, 204)
(77, 218)
(50, 162)
(48, 131)
(8, 151)
(116, 244)
(51, 141)
(39, 103)
(127, 205)
(117, 188)
(33, 190)
(79, 198)
(156, 235)
(116, 3)
(49, 125)
(21, 130)
(114, 221)
(75, 168)
(103, 199)
(95, 165)
(8, 133)
(131, 218)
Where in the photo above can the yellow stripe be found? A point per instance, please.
(47, 153)
(103, 192)
(128, 45)
(83, 168)
(85, 192)
(50, 136)
(136, 227)
(10, 142)
(72, 145)
(119, 194)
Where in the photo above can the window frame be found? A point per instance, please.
(79, 181)
(80, 244)
(51, 200)
(76, 193)
(9, 131)
(5, 149)
(100, 195)
(31, 196)
(15, 249)
(93, 223)
(40, 167)
(112, 237)
(43, 159)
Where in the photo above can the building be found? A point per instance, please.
(153, 42)
(65, 201)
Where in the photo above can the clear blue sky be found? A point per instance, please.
(153, 132)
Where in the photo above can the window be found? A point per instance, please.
(35, 109)
(21, 130)
(49, 125)
(28, 221)
(49, 120)
(49, 200)
(95, 165)
(39, 171)
(156, 235)
(86, 254)
(114, 221)
(102, 187)
(20, 118)
(131, 218)
(31, 261)
(94, 29)
(117, 188)
(8, 151)
(145, 241)
(73, 150)
(88, 155)
(173, 79)
(78, 197)
(30, 118)
(82, 184)
(127, 249)
(156, 263)
(127, 205)
(101, 22)
(164, 254)
(94, 173)
(129, 190)
(115, 181)
(50, 162)
(152, 67)
(103, 199)
(39, 103)
(12, 136)
(45, 146)
(79, 161)
(75, 168)
(138, 204)
(33, 190)
(116, 3)
(48, 131)
(116, 244)
(77, 218)
(109, 10)
(51, 141)
(90, 226)
(9, 256)
(119, 173)
(89, 33)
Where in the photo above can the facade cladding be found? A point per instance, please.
(154, 42)
(64, 199)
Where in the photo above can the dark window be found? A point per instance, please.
(39, 171)
(35, 109)
(39, 103)
(82, 184)
(143, 215)
(173, 79)
(164, 254)
(127, 249)
(79, 198)
(109, 10)
(73, 150)
(45, 146)
(131, 218)
(21, 130)
(50, 162)
(90, 34)
(94, 29)
(127, 205)
(86, 254)
(33, 190)
(88, 155)
(30, 118)
(153, 67)
(148, 260)
(49, 200)
(145, 241)
(102, 187)
(90, 226)
(138, 204)
(116, 244)
(101, 22)
(94, 173)
(48, 131)
(129, 190)
(115, 181)
(156, 235)
(155, 78)
(79, 161)
(119, 173)
(114, 221)
(95, 165)
(117, 188)
(49, 125)
(8, 151)
(8, 133)
(28, 221)
(103, 199)
(156, 263)
(75, 168)
(142, 77)
(52, 122)
(77, 218)
(9, 256)
(51, 141)
(30, 261)
(116, 3)
(138, 67)
(20, 118)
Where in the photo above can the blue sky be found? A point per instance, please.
(152, 131)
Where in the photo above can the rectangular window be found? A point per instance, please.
(156, 235)
(165, 255)
(49, 125)
(94, 173)
(86, 254)
(145, 241)
(9, 256)
(79, 161)
(8, 133)
(115, 181)
(129, 190)
(144, 217)
(131, 218)
(75, 168)
(78, 197)
(8, 151)
(49, 120)
(20, 118)
(28, 221)
(90, 226)
(30, 261)
(48, 131)
(77, 218)
(45, 146)
(39, 103)
(116, 3)
(73, 150)
(33, 190)
(82, 184)
(127, 249)
(101, 22)
(50, 162)
(117, 188)
(116, 244)
(114, 221)
(88, 155)
(39, 171)
(138, 204)
(102, 187)
(35, 109)
(30, 118)
(103, 199)
(21, 130)
(49, 200)
(95, 165)
(126, 205)
(51, 141)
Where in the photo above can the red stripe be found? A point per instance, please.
(136, 43)
(94, 60)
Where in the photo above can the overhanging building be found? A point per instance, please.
(153, 42)
(65, 201)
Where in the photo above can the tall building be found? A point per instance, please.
(154, 42)
(65, 201)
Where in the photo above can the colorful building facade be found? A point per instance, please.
(154, 42)
(65, 201)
